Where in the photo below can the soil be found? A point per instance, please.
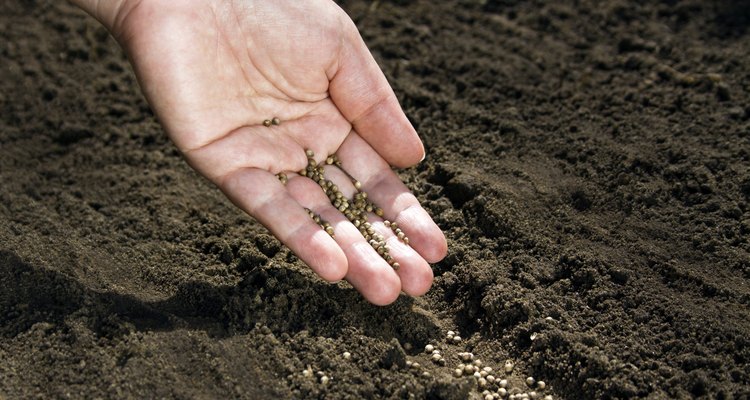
(589, 163)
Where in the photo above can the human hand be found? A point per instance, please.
(213, 71)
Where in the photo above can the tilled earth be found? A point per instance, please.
(589, 163)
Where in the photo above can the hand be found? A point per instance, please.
(213, 71)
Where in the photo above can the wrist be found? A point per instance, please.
(110, 13)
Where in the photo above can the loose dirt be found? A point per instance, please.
(589, 163)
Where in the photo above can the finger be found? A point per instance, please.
(367, 271)
(262, 196)
(414, 271)
(362, 93)
(389, 193)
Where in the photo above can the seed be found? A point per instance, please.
(436, 351)
(503, 383)
(394, 226)
(406, 240)
(477, 363)
(426, 374)
(307, 372)
(533, 395)
(415, 365)
(541, 385)
(275, 121)
(357, 185)
(309, 153)
(329, 160)
(458, 372)
(502, 392)
(488, 397)
(548, 397)
(267, 122)
(487, 369)
(396, 266)
(508, 366)
(329, 230)
(324, 380)
(429, 348)
(401, 235)
(347, 355)
(456, 339)
(379, 212)
(490, 378)
(482, 382)
(436, 357)
(530, 381)
(387, 223)
(466, 356)
(477, 375)
(483, 373)
(409, 363)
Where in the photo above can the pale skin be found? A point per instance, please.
(214, 70)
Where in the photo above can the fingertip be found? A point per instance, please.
(329, 261)
(419, 280)
(385, 291)
(437, 250)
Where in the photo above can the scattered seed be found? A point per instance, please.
(548, 397)
(456, 339)
(503, 383)
(347, 355)
(429, 348)
(502, 392)
(477, 363)
(477, 375)
(490, 378)
(482, 382)
(275, 121)
(508, 366)
(488, 397)
(458, 372)
(533, 395)
(541, 385)
(396, 266)
(267, 122)
(530, 381)
(324, 380)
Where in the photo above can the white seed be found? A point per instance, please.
(503, 383)
(541, 385)
(485, 392)
(458, 372)
(496, 395)
(415, 365)
(324, 380)
(436, 351)
(502, 392)
(426, 374)
(307, 372)
(436, 357)
(490, 378)
(477, 363)
(530, 381)
(429, 348)
(482, 382)
(461, 366)
(508, 366)
(548, 397)
(533, 395)
(487, 369)
(456, 339)
(477, 375)
(469, 369)
(549, 319)
(483, 373)
(449, 337)
(347, 355)
(409, 363)
(488, 397)
(451, 333)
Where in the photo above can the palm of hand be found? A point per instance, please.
(214, 71)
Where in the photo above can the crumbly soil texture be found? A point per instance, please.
(588, 161)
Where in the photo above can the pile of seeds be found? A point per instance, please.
(355, 209)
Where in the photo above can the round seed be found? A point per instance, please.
(530, 381)
(541, 385)
(456, 339)
(275, 121)
(429, 348)
(396, 266)
(503, 383)
(347, 355)
(329, 160)
(267, 122)
(458, 372)
(502, 392)
(324, 380)
(508, 366)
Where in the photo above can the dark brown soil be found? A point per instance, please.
(588, 161)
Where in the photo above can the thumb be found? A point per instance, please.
(362, 94)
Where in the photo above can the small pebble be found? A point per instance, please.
(533, 395)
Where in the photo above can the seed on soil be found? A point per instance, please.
(541, 385)
(275, 121)
(429, 348)
(456, 339)
(502, 392)
(503, 383)
(533, 395)
(477, 363)
(466, 356)
(458, 372)
(548, 397)
(415, 365)
(508, 366)
(488, 397)
(530, 381)
(324, 380)
(347, 355)
(267, 122)
(490, 378)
